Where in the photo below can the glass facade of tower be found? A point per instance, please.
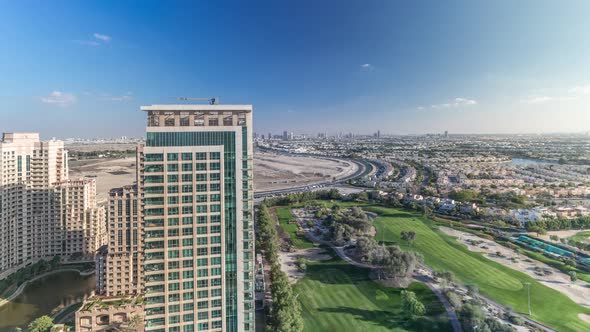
(197, 187)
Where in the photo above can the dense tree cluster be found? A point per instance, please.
(344, 224)
(408, 236)
(473, 319)
(505, 200)
(296, 198)
(391, 261)
(29, 272)
(472, 316)
(41, 324)
(412, 306)
(556, 224)
(285, 314)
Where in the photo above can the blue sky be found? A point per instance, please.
(83, 68)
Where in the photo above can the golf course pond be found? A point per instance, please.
(43, 296)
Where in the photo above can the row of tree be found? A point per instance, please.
(285, 313)
(29, 272)
(296, 198)
(555, 224)
(471, 314)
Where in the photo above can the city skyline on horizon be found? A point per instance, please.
(410, 68)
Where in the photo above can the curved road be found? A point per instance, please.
(364, 167)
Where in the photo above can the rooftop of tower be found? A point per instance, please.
(197, 107)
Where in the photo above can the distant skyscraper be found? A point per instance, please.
(196, 178)
(446, 133)
(285, 135)
(269, 136)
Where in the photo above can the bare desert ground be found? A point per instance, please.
(278, 171)
(109, 173)
(271, 171)
(100, 147)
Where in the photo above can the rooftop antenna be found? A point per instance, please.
(212, 101)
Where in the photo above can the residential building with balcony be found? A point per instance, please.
(196, 181)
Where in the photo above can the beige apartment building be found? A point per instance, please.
(42, 213)
(124, 260)
(119, 268)
(82, 220)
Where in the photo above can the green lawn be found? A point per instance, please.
(337, 296)
(285, 217)
(502, 284)
(581, 237)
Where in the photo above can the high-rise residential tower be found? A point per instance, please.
(42, 212)
(196, 181)
(28, 169)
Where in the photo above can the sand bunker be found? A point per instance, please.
(579, 291)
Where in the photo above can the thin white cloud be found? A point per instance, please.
(121, 98)
(97, 39)
(102, 37)
(59, 98)
(87, 42)
(367, 67)
(124, 98)
(456, 103)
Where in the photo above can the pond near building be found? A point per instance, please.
(43, 296)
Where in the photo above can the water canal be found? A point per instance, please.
(43, 296)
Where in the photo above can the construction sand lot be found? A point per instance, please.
(271, 171)
(579, 291)
(81, 147)
(279, 171)
(109, 173)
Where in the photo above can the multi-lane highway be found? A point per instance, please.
(363, 168)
